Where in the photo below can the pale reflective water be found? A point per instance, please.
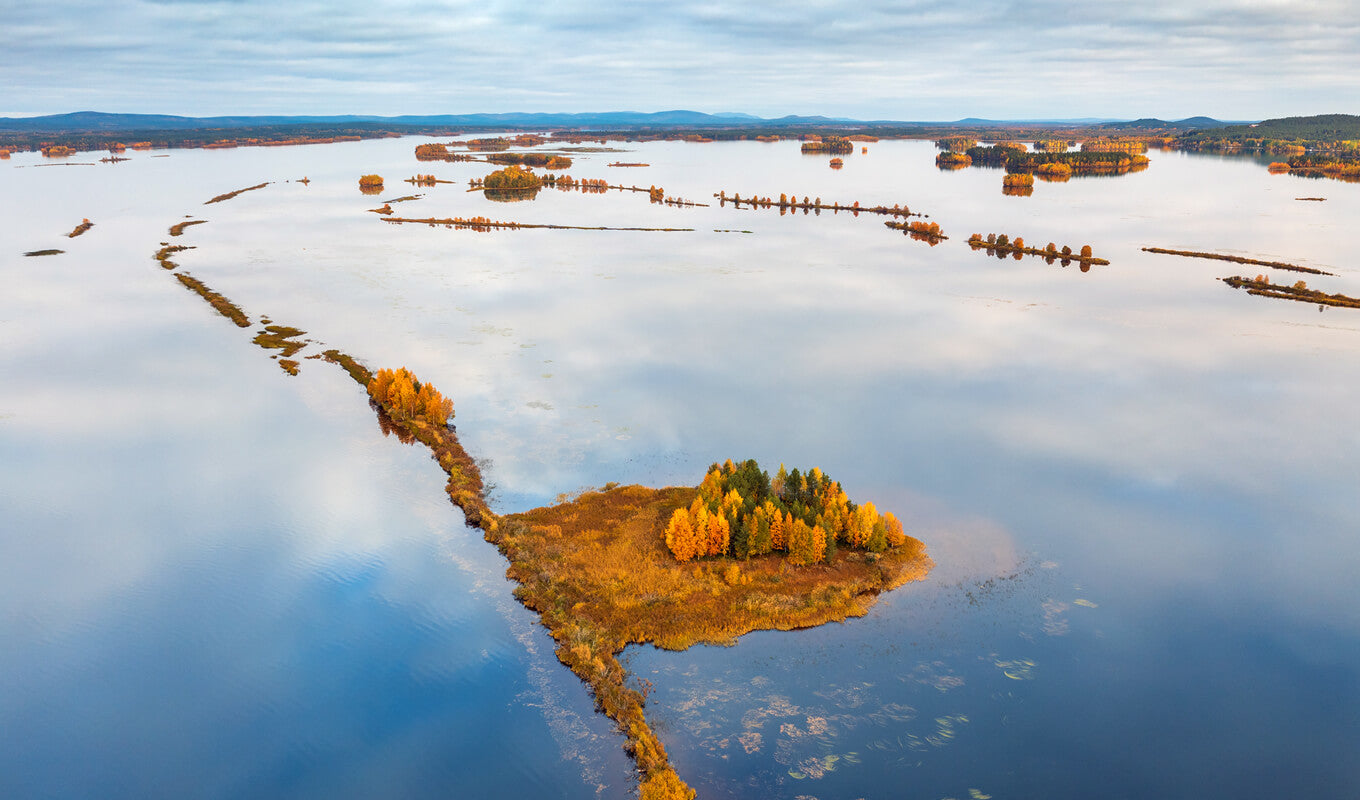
(1138, 484)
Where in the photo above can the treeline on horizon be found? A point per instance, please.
(1330, 132)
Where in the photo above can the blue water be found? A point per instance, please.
(218, 580)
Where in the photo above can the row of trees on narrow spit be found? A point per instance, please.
(566, 182)
(1000, 241)
(405, 398)
(791, 201)
(742, 513)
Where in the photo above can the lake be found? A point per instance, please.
(1138, 484)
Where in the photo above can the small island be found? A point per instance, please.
(509, 184)
(828, 144)
(681, 566)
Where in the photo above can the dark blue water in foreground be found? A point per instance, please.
(1138, 485)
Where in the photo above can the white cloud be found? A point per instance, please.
(1232, 58)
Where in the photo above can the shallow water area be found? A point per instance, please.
(1136, 482)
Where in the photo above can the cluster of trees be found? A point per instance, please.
(1330, 166)
(58, 150)
(837, 163)
(1053, 171)
(1105, 145)
(1052, 145)
(1285, 136)
(1084, 161)
(512, 177)
(370, 180)
(1017, 179)
(741, 512)
(829, 144)
(955, 144)
(543, 160)
(431, 151)
(405, 398)
(656, 194)
(998, 155)
(1002, 242)
(423, 180)
(953, 160)
(435, 151)
(488, 145)
(920, 231)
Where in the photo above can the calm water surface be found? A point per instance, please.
(218, 580)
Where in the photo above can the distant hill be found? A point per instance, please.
(1154, 124)
(91, 121)
(1323, 127)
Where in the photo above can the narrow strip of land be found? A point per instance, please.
(1299, 292)
(1236, 260)
(230, 195)
(474, 224)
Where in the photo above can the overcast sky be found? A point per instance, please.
(909, 60)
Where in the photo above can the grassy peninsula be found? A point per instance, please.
(602, 572)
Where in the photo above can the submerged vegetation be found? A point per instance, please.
(1236, 260)
(224, 306)
(163, 255)
(48, 252)
(1262, 287)
(229, 195)
(284, 339)
(178, 228)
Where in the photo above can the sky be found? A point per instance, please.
(906, 60)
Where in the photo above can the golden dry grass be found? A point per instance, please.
(597, 571)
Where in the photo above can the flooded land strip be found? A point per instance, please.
(625, 565)
(1237, 260)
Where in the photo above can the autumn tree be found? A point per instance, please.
(405, 398)
(739, 511)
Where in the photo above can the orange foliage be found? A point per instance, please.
(739, 511)
(405, 398)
